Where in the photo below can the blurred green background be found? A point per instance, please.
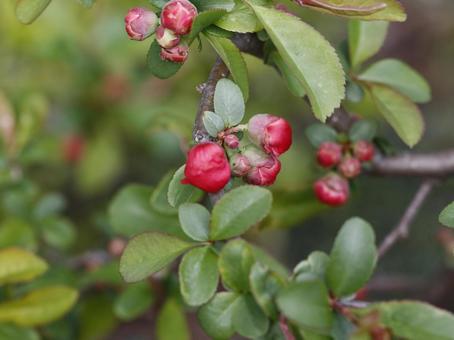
(74, 80)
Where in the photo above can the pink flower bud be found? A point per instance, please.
(332, 190)
(350, 167)
(177, 54)
(265, 167)
(207, 167)
(232, 141)
(140, 23)
(364, 150)
(178, 16)
(166, 38)
(240, 165)
(273, 133)
(329, 154)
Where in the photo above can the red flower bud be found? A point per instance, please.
(232, 141)
(240, 165)
(177, 54)
(364, 150)
(329, 154)
(207, 167)
(332, 190)
(166, 38)
(140, 23)
(273, 133)
(73, 148)
(350, 167)
(178, 16)
(264, 167)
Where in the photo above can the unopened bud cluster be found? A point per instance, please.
(249, 151)
(177, 17)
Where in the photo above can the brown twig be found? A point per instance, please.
(402, 229)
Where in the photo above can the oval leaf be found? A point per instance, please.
(248, 319)
(229, 102)
(171, 323)
(235, 264)
(17, 265)
(162, 69)
(213, 123)
(362, 130)
(28, 11)
(135, 300)
(319, 133)
(195, 220)
(447, 216)
(181, 193)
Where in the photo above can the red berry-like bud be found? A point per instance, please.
(240, 165)
(166, 38)
(232, 141)
(332, 190)
(178, 16)
(329, 154)
(364, 150)
(177, 54)
(207, 167)
(272, 133)
(140, 23)
(350, 167)
(73, 148)
(264, 167)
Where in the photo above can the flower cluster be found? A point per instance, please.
(249, 151)
(345, 159)
(177, 17)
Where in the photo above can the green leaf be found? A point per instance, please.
(399, 76)
(205, 19)
(134, 301)
(307, 304)
(49, 205)
(182, 193)
(415, 320)
(18, 265)
(195, 220)
(158, 3)
(159, 201)
(269, 261)
(241, 19)
(13, 332)
(238, 210)
(353, 257)
(264, 287)
(400, 112)
(319, 133)
(171, 323)
(314, 266)
(28, 11)
(17, 232)
(248, 319)
(162, 69)
(39, 307)
(362, 130)
(229, 102)
(216, 316)
(310, 57)
(58, 232)
(232, 57)
(235, 263)
(199, 276)
(213, 123)
(389, 10)
(447, 216)
(291, 80)
(130, 213)
(148, 253)
(365, 39)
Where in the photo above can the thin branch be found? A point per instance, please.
(402, 229)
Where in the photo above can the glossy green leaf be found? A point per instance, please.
(28, 11)
(362, 130)
(235, 263)
(13, 332)
(213, 123)
(248, 319)
(447, 216)
(195, 221)
(314, 266)
(400, 112)
(229, 102)
(148, 253)
(18, 265)
(162, 69)
(241, 19)
(182, 193)
(399, 76)
(353, 257)
(134, 301)
(171, 323)
(310, 57)
(365, 39)
(216, 316)
(159, 201)
(232, 57)
(199, 275)
(205, 19)
(205, 5)
(307, 304)
(39, 307)
(293, 84)
(319, 133)
(269, 261)
(238, 210)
